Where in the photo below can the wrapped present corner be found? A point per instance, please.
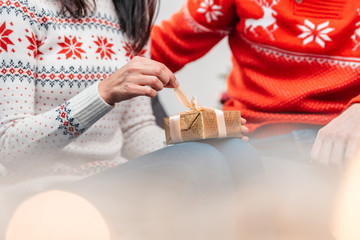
(201, 123)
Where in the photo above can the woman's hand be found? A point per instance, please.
(339, 139)
(140, 77)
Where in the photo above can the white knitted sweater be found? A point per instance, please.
(52, 120)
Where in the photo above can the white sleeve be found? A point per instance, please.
(23, 133)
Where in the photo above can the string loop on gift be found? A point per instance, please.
(193, 105)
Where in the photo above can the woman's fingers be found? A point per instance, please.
(152, 81)
(138, 90)
(169, 78)
(173, 82)
(153, 68)
(139, 77)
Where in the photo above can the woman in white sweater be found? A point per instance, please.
(75, 107)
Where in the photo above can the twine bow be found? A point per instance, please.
(193, 105)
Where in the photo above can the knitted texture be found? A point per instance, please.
(293, 61)
(52, 120)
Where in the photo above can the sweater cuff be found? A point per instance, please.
(87, 107)
(352, 101)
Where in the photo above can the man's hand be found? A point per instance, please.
(338, 140)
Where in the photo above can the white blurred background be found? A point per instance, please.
(201, 78)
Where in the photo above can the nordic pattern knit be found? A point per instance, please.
(293, 61)
(52, 120)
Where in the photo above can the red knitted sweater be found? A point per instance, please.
(293, 60)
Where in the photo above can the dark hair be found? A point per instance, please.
(136, 17)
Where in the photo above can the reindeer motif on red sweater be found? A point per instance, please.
(356, 36)
(266, 21)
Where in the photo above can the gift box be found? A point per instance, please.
(202, 124)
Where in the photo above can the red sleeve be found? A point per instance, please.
(192, 32)
(352, 101)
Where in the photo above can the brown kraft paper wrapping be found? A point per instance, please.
(203, 124)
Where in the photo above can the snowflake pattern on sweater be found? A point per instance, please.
(67, 123)
(52, 119)
(4, 37)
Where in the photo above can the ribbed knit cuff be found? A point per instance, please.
(87, 107)
(352, 101)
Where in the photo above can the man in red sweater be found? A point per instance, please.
(295, 77)
(294, 61)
